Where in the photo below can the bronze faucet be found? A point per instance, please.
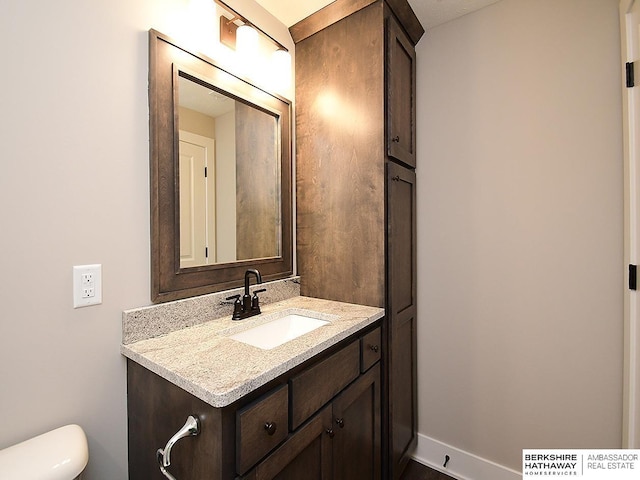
(249, 306)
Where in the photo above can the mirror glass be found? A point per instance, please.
(229, 178)
(220, 176)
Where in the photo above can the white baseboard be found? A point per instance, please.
(462, 465)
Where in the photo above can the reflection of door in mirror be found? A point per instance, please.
(233, 212)
(197, 241)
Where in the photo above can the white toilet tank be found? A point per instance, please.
(60, 454)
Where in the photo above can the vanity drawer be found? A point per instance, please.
(260, 427)
(320, 383)
(371, 349)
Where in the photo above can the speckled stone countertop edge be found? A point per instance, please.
(160, 355)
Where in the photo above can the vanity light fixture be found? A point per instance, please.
(242, 36)
(229, 27)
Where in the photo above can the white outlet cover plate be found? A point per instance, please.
(96, 271)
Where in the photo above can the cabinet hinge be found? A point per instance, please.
(632, 277)
(206, 252)
(205, 172)
(630, 70)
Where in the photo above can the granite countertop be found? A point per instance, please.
(202, 360)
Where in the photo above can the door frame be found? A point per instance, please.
(631, 143)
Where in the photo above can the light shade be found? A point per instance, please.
(247, 41)
(281, 64)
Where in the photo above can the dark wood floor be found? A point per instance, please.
(417, 471)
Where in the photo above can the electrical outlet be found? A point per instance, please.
(87, 285)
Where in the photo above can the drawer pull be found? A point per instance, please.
(375, 348)
(270, 427)
(395, 139)
(340, 422)
(330, 432)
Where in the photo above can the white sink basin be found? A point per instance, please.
(281, 330)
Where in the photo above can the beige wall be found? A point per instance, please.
(77, 192)
(196, 122)
(520, 229)
(226, 187)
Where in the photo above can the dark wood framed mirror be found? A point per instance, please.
(220, 165)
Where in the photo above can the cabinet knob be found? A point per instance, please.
(375, 348)
(270, 427)
(330, 432)
(396, 139)
(340, 422)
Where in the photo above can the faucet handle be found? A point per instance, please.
(237, 306)
(255, 301)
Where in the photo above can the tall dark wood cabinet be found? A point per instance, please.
(355, 184)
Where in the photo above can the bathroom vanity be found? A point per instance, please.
(308, 408)
(341, 401)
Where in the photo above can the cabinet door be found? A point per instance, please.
(401, 95)
(356, 423)
(306, 454)
(157, 409)
(402, 321)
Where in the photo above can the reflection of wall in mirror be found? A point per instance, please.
(226, 187)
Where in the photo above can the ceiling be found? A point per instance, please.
(430, 12)
(436, 12)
